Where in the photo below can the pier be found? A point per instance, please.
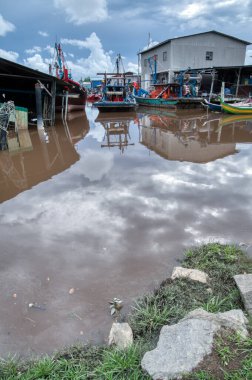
(31, 89)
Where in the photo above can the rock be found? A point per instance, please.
(232, 319)
(244, 283)
(249, 251)
(192, 274)
(121, 335)
(183, 346)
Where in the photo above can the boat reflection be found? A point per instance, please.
(30, 160)
(116, 128)
(193, 136)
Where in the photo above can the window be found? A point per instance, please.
(165, 56)
(209, 56)
(145, 63)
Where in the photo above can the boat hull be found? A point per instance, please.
(156, 102)
(114, 106)
(213, 107)
(76, 102)
(237, 110)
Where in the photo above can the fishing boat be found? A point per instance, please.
(94, 97)
(116, 94)
(215, 107)
(76, 94)
(241, 108)
(163, 96)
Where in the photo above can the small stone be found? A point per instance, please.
(81, 332)
(71, 291)
(14, 295)
(121, 335)
(192, 274)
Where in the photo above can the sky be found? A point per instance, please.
(93, 32)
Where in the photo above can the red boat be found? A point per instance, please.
(77, 94)
(94, 97)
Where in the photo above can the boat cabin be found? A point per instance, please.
(165, 90)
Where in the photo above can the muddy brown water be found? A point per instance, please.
(106, 206)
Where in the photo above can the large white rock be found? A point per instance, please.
(183, 346)
(120, 335)
(232, 319)
(192, 274)
(244, 283)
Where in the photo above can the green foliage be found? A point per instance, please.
(121, 364)
(167, 305)
(9, 369)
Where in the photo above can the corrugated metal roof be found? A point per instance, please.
(10, 68)
(192, 35)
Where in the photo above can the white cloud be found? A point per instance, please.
(38, 63)
(5, 26)
(193, 10)
(133, 67)
(35, 49)
(95, 164)
(10, 55)
(150, 44)
(248, 58)
(97, 61)
(193, 16)
(50, 49)
(83, 11)
(43, 34)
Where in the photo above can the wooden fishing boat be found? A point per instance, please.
(116, 93)
(163, 96)
(77, 94)
(94, 97)
(242, 108)
(212, 106)
(152, 102)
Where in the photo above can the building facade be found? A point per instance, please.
(202, 50)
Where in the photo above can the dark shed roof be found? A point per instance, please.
(12, 69)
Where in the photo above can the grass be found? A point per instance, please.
(231, 359)
(174, 299)
(92, 363)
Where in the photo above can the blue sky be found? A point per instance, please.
(92, 32)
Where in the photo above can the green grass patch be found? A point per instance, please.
(174, 299)
(232, 356)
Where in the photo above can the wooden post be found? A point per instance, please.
(238, 82)
(223, 90)
(38, 93)
(66, 106)
(212, 83)
(53, 100)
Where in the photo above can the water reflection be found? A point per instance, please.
(111, 224)
(193, 137)
(116, 129)
(35, 156)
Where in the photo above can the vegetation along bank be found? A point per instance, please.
(230, 359)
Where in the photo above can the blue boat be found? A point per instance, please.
(116, 95)
(213, 106)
